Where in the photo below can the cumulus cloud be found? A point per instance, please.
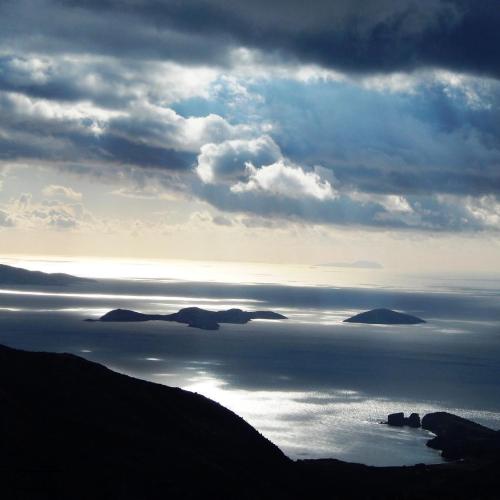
(483, 210)
(391, 202)
(236, 103)
(233, 163)
(26, 213)
(144, 134)
(448, 213)
(285, 179)
(161, 127)
(226, 161)
(55, 191)
(442, 137)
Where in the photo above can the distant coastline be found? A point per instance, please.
(10, 275)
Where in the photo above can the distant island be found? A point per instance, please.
(358, 264)
(192, 316)
(75, 429)
(384, 317)
(10, 275)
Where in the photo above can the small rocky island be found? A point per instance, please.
(399, 420)
(193, 316)
(384, 317)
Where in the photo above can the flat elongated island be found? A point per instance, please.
(193, 316)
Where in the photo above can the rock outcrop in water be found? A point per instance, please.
(399, 420)
(17, 276)
(396, 419)
(384, 317)
(193, 316)
(413, 421)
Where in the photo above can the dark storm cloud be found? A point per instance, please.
(445, 180)
(51, 27)
(14, 78)
(68, 81)
(89, 83)
(349, 35)
(73, 147)
(44, 137)
(123, 150)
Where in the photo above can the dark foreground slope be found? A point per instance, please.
(72, 429)
(332, 479)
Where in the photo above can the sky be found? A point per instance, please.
(341, 132)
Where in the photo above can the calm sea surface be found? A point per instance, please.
(314, 385)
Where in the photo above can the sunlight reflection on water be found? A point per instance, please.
(313, 385)
(341, 423)
(336, 422)
(296, 275)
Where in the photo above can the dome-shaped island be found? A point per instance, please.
(384, 317)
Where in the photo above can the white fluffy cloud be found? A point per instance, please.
(27, 213)
(283, 178)
(258, 165)
(162, 127)
(391, 202)
(483, 210)
(252, 127)
(56, 191)
(226, 161)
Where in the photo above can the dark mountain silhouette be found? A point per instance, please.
(17, 276)
(74, 429)
(65, 419)
(193, 316)
(384, 317)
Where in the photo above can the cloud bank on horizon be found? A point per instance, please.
(382, 114)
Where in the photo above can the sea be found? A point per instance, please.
(315, 386)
